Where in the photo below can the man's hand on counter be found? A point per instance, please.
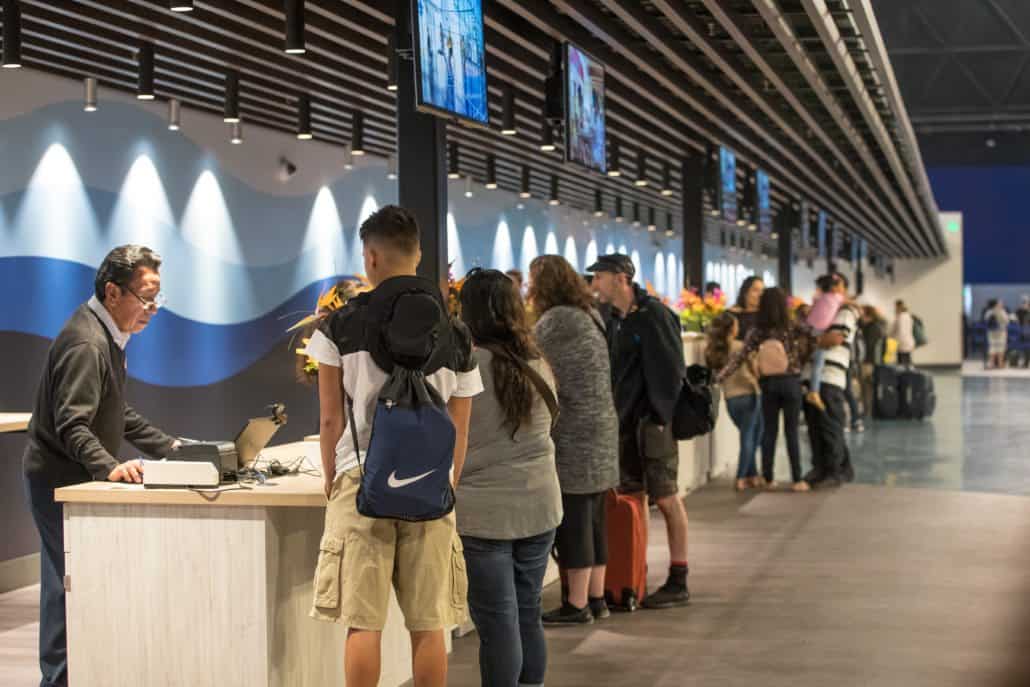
(129, 471)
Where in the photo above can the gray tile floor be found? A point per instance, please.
(908, 578)
(976, 441)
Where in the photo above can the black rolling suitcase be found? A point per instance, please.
(918, 399)
(886, 392)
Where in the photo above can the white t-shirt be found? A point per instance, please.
(838, 358)
(362, 381)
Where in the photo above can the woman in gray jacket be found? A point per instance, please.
(571, 336)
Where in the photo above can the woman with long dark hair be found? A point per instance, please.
(746, 307)
(508, 500)
(571, 335)
(779, 344)
(740, 390)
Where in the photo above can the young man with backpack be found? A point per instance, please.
(392, 356)
(647, 373)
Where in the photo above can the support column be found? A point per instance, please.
(785, 223)
(692, 189)
(421, 160)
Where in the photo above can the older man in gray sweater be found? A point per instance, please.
(80, 419)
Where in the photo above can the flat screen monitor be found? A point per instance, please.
(728, 184)
(822, 234)
(450, 64)
(762, 202)
(584, 109)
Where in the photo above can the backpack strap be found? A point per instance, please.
(349, 402)
(535, 377)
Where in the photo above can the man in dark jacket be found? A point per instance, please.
(647, 375)
(80, 419)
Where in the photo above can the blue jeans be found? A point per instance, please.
(746, 413)
(49, 517)
(506, 579)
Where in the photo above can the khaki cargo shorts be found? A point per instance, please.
(360, 558)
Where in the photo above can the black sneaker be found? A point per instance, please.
(667, 596)
(599, 609)
(568, 615)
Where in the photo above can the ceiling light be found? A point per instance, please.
(508, 127)
(524, 191)
(453, 161)
(468, 187)
(641, 179)
(357, 133)
(667, 180)
(391, 167)
(145, 60)
(618, 209)
(304, 118)
(180, 5)
(651, 224)
(391, 62)
(237, 133)
(232, 98)
(91, 94)
(12, 34)
(294, 10)
(598, 203)
(491, 171)
(554, 200)
(348, 158)
(614, 168)
(669, 228)
(990, 141)
(173, 115)
(547, 138)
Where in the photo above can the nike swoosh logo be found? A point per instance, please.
(395, 483)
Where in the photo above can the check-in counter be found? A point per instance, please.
(172, 587)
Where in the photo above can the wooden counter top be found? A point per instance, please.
(297, 491)
(14, 422)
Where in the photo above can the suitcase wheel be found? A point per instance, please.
(630, 600)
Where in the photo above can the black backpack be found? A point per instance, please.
(697, 408)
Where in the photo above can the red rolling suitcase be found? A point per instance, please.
(625, 581)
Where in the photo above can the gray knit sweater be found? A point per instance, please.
(586, 438)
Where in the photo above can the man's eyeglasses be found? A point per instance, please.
(149, 304)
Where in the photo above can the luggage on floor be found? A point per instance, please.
(886, 392)
(918, 399)
(625, 580)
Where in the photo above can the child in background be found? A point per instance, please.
(824, 310)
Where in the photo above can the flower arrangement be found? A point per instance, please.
(454, 292)
(334, 298)
(697, 311)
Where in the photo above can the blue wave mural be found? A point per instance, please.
(172, 351)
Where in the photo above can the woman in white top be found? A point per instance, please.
(997, 319)
(902, 331)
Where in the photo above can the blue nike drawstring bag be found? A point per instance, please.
(406, 471)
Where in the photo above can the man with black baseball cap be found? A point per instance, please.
(647, 375)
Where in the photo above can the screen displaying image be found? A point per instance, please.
(451, 67)
(764, 208)
(822, 234)
(728, 184)
(584, 109)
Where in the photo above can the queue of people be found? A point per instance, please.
(547, 416)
